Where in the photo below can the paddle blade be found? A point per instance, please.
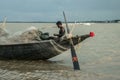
(74, 58)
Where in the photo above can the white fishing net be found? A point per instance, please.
(3, 32)
(29, 35)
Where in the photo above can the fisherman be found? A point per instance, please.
(61, 31)
(56, 37)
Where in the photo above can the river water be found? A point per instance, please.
(99, 57)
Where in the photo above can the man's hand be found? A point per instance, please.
(55, 34)
(69, 36)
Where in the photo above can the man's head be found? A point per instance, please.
(59, 24)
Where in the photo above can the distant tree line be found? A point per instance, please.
(92, 21)
(107, 21)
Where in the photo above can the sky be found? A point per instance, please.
(51, 10)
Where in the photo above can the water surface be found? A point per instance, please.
(99, 57)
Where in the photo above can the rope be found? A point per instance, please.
(78, 46)
(73, 27)
(4, 23)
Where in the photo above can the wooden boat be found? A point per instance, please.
(40, 50)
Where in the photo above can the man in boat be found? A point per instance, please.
(61, 31)
(58, 37)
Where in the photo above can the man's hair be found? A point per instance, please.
(58, 23)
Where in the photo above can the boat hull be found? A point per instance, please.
(29, 51)
(40, 50)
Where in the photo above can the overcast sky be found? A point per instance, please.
(51, 10)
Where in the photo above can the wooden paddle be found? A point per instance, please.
(73, 52)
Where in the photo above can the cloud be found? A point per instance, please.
(47, 10)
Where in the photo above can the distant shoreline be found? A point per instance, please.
(109, 21)
(26, 22)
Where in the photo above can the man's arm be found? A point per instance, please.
(61, 33)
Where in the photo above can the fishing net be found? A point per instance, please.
(3, 32)
(29, 35)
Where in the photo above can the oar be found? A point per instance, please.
(73, 52)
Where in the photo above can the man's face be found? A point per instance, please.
(59, 25)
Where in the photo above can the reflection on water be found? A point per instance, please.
(24, 66)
